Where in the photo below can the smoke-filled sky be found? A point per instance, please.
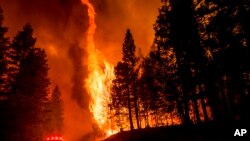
(60, 27)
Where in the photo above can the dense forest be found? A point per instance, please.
(28, 111)
(197, 72)
(198, 69)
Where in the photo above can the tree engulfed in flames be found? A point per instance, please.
(100, 77)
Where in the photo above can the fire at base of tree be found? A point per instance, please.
(197, 71)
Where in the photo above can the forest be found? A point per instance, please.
(197, 71)
(28, 110)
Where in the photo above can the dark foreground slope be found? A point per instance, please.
(204, 132)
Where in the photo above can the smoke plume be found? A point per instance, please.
(60, 27)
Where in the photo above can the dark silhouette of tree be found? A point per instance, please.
(4, 105)
(4, 44)
(120, 95)
(55, 112)
(33, 68)
(198, 68)
(225, 36)
(189, 54)
(210, 72)
(165, 56)
(151, 90)
(23, 43)
(146, 89)
(177, 57)
(124, 86)
(28, 78)
(32, 90)
(131, 60)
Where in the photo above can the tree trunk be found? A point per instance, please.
(203, 104)
(212, 99)
(186, 106)
(136, 109)
(130, 114)
(196, 108)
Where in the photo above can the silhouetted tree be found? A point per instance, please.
(167, 76)
(151, 89)
(131, 61)
(55, 112)
(4, 104)
(4, 44)
(145, 91)
(124, 89)
(32, 90)
(120, 95)
(189, 53)
(28, 74)
(225, 36)
(23, 43)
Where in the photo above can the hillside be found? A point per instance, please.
(204, 132)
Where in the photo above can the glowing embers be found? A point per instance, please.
(54, 138)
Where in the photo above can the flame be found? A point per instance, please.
(98, 84)
(101, 74)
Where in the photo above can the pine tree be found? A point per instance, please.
(34, 68)
(189, 54)
(165, 56)
(126, 77)
(4, 44)
(55, 116)
(22, 44)
(226, 36)
(31, 93)
(151, 89)
(120, 95)
(29, 79)
(5, 121)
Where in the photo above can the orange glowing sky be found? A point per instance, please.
(60, 27)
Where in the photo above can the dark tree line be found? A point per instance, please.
(196, 72)
(27, 110)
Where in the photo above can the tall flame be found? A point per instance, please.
(100, 76)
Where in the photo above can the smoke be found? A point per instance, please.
(113, 19)
(76, 52)
(60, 27)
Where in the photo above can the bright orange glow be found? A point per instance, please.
(100, 77)
(54, 138)
(99, 81)
(52, 50)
